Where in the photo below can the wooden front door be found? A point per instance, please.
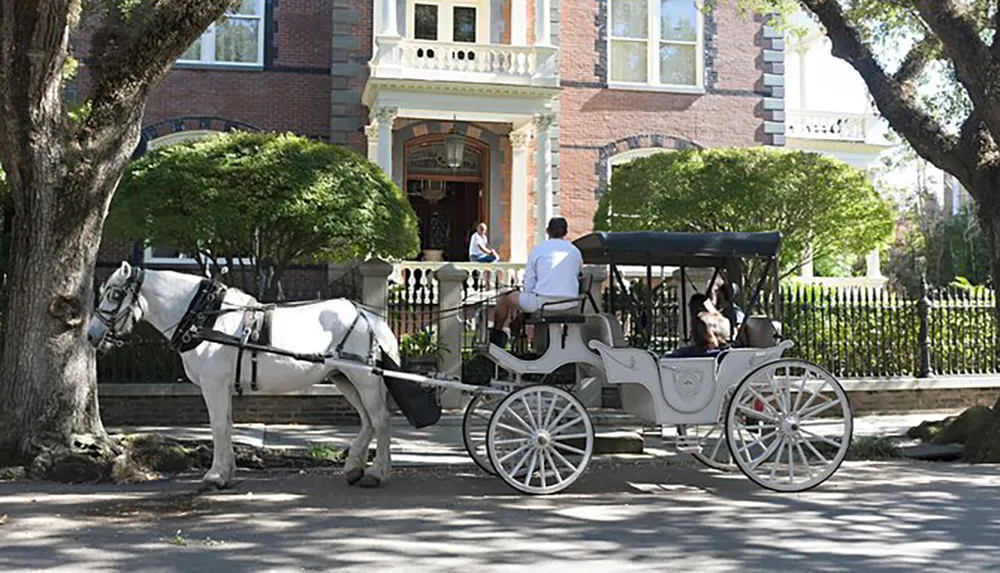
(448, 212)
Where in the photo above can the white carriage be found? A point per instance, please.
(785, 423)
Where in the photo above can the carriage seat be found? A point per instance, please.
(557, 319)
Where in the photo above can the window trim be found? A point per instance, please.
(208, 45)
(446, 20)
(653, 52)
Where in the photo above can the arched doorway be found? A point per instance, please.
(449, 202)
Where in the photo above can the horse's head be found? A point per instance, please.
(120, 307)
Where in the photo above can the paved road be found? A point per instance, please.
(649, 515)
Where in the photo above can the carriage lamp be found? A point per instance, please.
(454, 146)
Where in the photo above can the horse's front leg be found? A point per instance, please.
(219, 403)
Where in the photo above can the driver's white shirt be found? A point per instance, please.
(553, 270)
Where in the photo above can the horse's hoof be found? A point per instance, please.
(352, 476)
(207, 486)
(369, 481)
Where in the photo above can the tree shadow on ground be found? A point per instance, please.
(622, 515)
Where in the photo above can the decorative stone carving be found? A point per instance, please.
(386, 114)
(519, 139)
(543, 121)
(371, 132)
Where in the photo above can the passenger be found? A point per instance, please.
(723, 303)
(552, 274)
(709, 330)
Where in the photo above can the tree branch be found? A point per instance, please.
(916, 60)
(976, 69)
(130, 52)
(895, 100)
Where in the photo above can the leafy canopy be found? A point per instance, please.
(280, 197)
(809, 197)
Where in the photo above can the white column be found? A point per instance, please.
(873, 264)
(806, 270)
(803, 86)
(543, 24)
(371, 133)
(389, 25)
(543, 172)
(450, 328)
(385, 117)
(519, 22)
(519, 196)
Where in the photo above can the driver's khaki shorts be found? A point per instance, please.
(531, 302)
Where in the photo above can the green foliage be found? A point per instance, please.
(420, 344)
(809, 197)
(277, 197)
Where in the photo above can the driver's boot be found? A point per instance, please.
(498, 337)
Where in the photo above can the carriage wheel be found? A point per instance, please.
(714, 451)
(474, 425)
(789, 425)
(540, 439)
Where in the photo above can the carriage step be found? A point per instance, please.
(688, 444)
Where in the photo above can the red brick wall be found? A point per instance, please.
(591, 116)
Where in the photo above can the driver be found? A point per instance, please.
(550, 275)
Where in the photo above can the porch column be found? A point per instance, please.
(543, 171)
(389, 25)
(806, 270)
(519, 22)
(385, 116)
(873, 264)
(371, 133)
(450, 329)
(374, 284)
(543, 24)
(519, 196)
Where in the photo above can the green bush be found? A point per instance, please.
(811, 198)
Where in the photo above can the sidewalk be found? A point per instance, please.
(442, 443)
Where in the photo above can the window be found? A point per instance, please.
(656, 43)
(459, 21)
(236, 40)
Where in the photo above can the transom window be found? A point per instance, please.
(236, 40)
(449, 21)
(656, 43)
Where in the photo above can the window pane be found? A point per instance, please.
(463, 24)
(236, 40)
(628, 61)
(678, 20)
(194, 52)
(246, 7)
(425, 25)
(677, 65)
(629, 18)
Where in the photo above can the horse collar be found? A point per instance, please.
(201, 313)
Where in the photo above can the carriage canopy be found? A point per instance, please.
(655, 248)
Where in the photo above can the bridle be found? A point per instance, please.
(125, 298)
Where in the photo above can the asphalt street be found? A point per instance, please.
(662, 514)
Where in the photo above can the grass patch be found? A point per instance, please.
(324, 452)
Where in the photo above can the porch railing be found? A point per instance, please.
(830, 126)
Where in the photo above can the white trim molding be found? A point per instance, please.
(654, 41)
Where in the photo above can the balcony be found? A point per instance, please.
(829, 126)
(493, 64)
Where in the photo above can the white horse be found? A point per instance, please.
(163, 298)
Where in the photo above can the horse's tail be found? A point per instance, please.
(384, 335)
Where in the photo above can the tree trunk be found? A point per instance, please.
(49, 417)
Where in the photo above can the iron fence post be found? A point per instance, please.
(923, 336)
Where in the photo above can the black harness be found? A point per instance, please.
(196, 326)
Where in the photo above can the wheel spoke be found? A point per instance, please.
(764, 401)
(552, 463)
(819, 437)
(758, 442)
(513, 472)
(805, 459)
(777, 459)
(568, 448)
(812, 396)
(715, 450)
(568, 407)
(531, 467)
(514, 453)
(791, 464)
(569, 436)
(563, 459)
(819, 409)
(755, 414)
(512, 441)
(513, 429)
(767, 454)
(541, 467)
(521, 421)
(527, 408)
(802, 390)
(548, 415)
(578, 420)
(816, 452)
